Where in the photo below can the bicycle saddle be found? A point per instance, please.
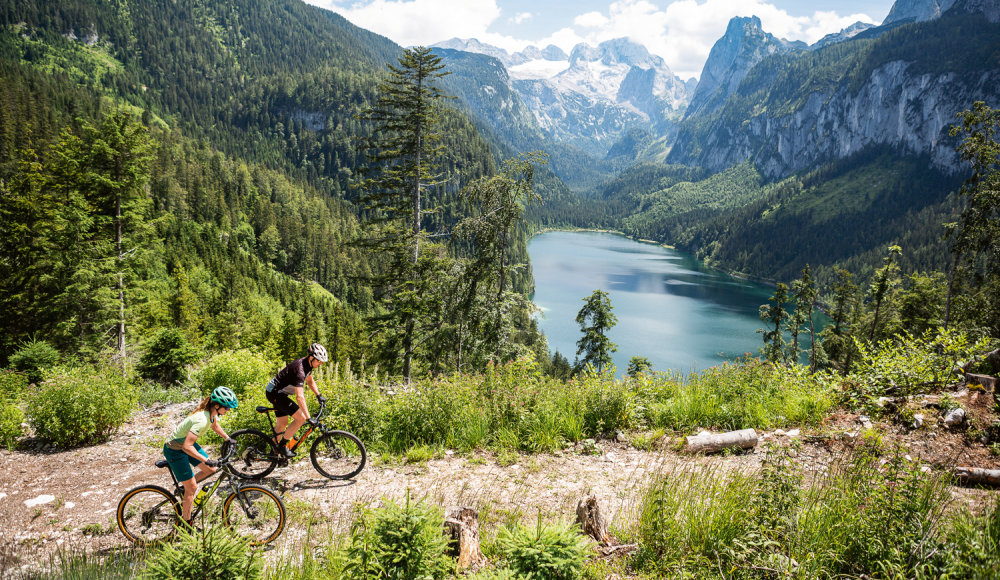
(161, 463)
(261, 409)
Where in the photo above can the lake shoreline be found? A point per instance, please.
(739, 275)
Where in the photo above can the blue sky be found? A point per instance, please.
(680, 31)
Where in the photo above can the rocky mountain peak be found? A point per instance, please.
(917, 10)
(742, 46)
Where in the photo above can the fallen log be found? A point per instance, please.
(462, 526)
(978, 475)
(708, 443)
(592, 522)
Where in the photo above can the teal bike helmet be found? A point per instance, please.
(225, 397)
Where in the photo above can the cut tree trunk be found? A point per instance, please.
(592, 521)
(989, 383)
(978, 475)
(461, 524)
(707, 442)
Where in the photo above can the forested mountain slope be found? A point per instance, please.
(251, 107)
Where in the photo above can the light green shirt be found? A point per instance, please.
(196, 423)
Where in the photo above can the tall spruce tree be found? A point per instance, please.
(774, 340)
(402, 150)
(595, 319)
(885, 278)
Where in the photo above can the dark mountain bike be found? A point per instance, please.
(336, 454)
(149, 514)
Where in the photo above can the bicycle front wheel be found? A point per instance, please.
(338, 455)
(255, 455)
(256, 513)
(147, 515)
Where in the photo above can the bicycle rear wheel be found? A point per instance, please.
(255, 455)
(147, 515)
(256, 513)
(338, 455)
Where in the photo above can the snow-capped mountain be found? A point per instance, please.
(593, 95)
(845, 34)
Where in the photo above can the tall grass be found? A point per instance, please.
(861, 518)
(513, 406)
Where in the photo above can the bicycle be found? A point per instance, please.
(335, 455)
(149, 514)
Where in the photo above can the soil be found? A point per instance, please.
(51, 497)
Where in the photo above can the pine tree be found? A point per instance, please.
(774, 340)
(885, 279)
(595, 319)
(402, 151)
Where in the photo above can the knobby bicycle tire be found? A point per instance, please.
(255, 455)
(261, 519)
(338, 455)
(148, 514)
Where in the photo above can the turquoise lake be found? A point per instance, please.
(671, 308)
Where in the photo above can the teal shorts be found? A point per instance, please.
(181, 463)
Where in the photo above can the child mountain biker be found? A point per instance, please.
(289, 382)
(182, 450)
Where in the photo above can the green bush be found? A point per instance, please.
(401, 542)
(545, 552)
(11, 418)
(427, 414)
(83, 405)
(166, 356)
(34, 357)
(12, 384)
(240, 370)
(210, 554)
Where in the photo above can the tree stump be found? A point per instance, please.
(592, 521)
(462, 526)
(707, 442)
(978, 475)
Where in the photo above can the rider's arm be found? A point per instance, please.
(300, 398)
(188, 446)
(218, 429)
(312, 385)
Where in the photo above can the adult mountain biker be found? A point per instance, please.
(183, 452)
(289, 382)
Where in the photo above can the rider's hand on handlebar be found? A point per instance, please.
(212, 462)
(321, 399)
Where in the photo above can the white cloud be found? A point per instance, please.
(682, 33)
(520, 17)
(419, 22)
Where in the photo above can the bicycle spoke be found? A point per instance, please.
(255, 513)
(147, 515)
(338, 455)
(254, 457)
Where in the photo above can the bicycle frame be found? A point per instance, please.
(224, 475)
(310, 428)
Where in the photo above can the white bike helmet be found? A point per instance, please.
(318, 352)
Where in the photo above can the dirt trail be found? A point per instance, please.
(50, 497)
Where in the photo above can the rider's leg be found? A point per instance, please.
(190, 490)
(203, 472)
(280, 423)
(298, 420)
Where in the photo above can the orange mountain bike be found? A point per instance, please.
(336, 454)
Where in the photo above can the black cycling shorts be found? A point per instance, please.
(283, 404)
